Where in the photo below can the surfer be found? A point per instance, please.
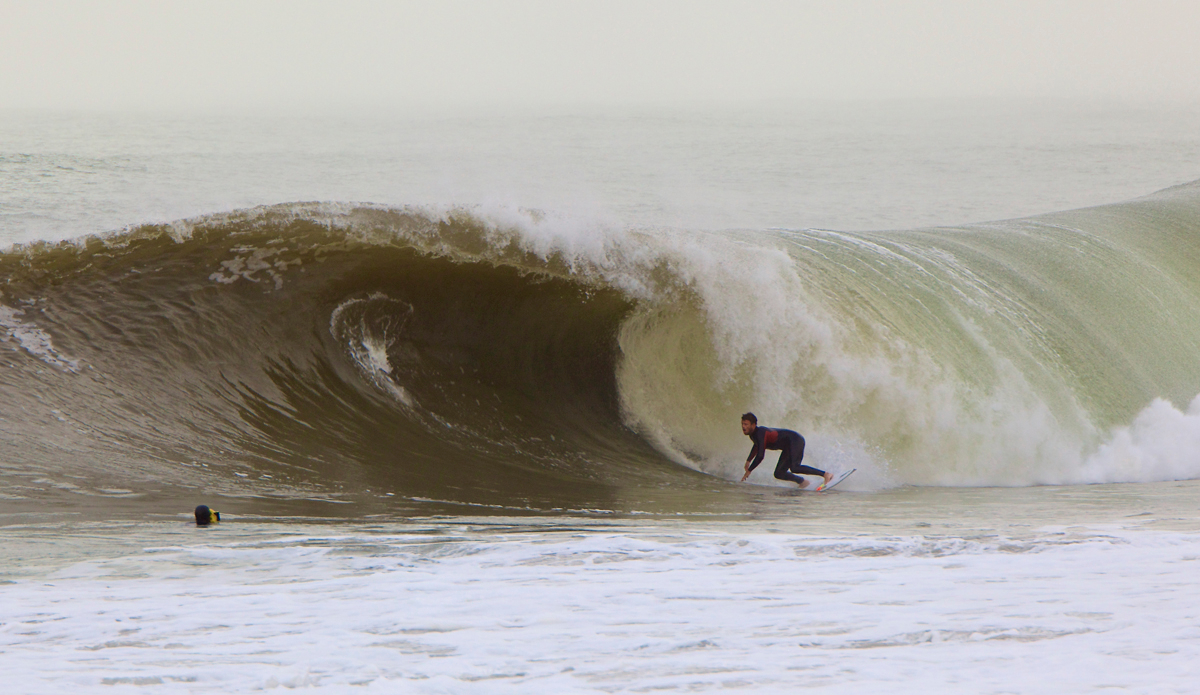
(791, 451)
(206, 516)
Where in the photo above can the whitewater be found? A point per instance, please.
(479, 433)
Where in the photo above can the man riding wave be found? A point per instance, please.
(790, 445)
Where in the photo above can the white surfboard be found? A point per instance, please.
(836, 479)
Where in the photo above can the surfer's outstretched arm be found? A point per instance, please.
(756, 456)
(758, 449)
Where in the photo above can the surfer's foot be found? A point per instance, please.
(803, 483)
(828, 477)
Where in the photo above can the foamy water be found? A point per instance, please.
(590, 606)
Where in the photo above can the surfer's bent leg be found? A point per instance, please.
(783, 469)
(796, 448)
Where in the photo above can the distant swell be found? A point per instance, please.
(510, 358)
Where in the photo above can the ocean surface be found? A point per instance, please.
(465, 388)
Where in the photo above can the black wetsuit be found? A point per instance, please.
(791, 447)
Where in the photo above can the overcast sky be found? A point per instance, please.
(130, 54)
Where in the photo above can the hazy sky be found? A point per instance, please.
(354, 54)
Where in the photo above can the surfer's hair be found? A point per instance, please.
(749, 417)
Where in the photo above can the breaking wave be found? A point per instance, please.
(513, 358)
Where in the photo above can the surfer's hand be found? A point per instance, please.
(747, 473)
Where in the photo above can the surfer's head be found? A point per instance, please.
(206, 516)
(749, 423)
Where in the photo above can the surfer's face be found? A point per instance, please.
(747, 427)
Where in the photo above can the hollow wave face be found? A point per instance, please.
(513, 359)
